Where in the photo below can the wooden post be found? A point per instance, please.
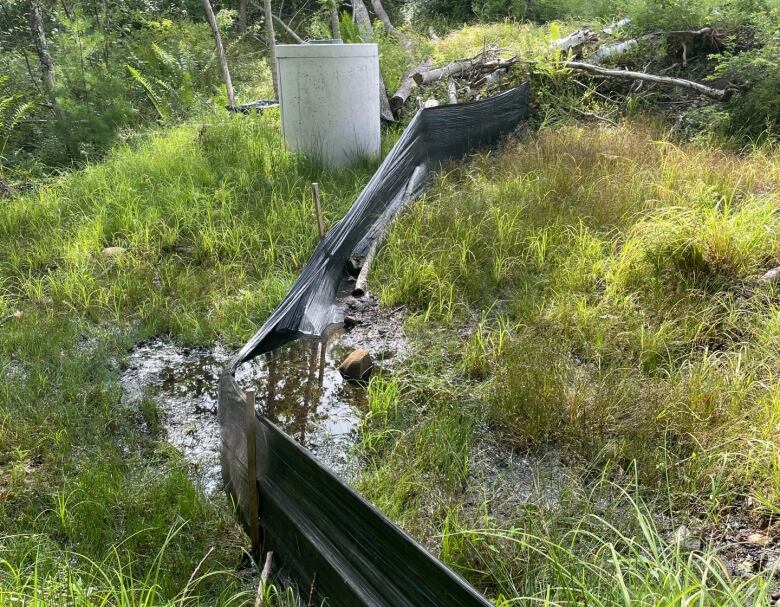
(251, 471)
(315, 190)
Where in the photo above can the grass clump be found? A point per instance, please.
(593, 293)
(209, 226)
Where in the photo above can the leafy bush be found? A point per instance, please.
(755, 113)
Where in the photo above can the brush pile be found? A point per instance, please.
(584, 50)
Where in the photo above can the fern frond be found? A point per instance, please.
(149, 90)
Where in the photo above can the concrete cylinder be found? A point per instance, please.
(329, 99)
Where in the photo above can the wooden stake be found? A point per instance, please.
(315, 190)
(251, 471)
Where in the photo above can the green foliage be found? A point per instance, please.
(13, 111)
(124, 72)
(216, 222)
(754, 114)
(585, 310)
(622, 284)
(349, 29)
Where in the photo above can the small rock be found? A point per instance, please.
(758, 539)
(349, 322)
(357, 365)
(771, 276)
(114, 251)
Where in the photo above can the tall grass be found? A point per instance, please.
(593, 292)
(614, 556)
(213, 222)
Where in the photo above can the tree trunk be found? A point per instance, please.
(379, 10)
(335, 28)
(363, 21)
(48, 76)
(241, 16)
(271, 38)
(223, 66)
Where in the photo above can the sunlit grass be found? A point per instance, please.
(210, 225)
(593, 292)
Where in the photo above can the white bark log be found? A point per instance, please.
(702, 89)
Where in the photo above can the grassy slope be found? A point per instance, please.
(590, 291)
(601, 279)
(217, 222)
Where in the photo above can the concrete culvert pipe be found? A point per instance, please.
(329, 98)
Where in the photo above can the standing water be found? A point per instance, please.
(298, 387)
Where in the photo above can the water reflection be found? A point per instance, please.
(298, 387)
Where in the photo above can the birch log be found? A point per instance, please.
(702, 89)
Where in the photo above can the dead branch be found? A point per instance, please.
(289, 30)
(702, 89)
(267, 567)
(616, 25)
(432, 33)
(610, 51)
(490, 79)
(452, 92)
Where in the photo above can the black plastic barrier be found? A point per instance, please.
(326, 534)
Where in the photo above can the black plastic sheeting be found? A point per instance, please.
(324, 532)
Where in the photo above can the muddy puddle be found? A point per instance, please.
(298, 387)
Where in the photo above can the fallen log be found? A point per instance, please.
(490, 79)
(407, 84)
(412, 187)
(610, 51)
(702, 89)
(616, 25)
(434, 75)
(574, 42)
